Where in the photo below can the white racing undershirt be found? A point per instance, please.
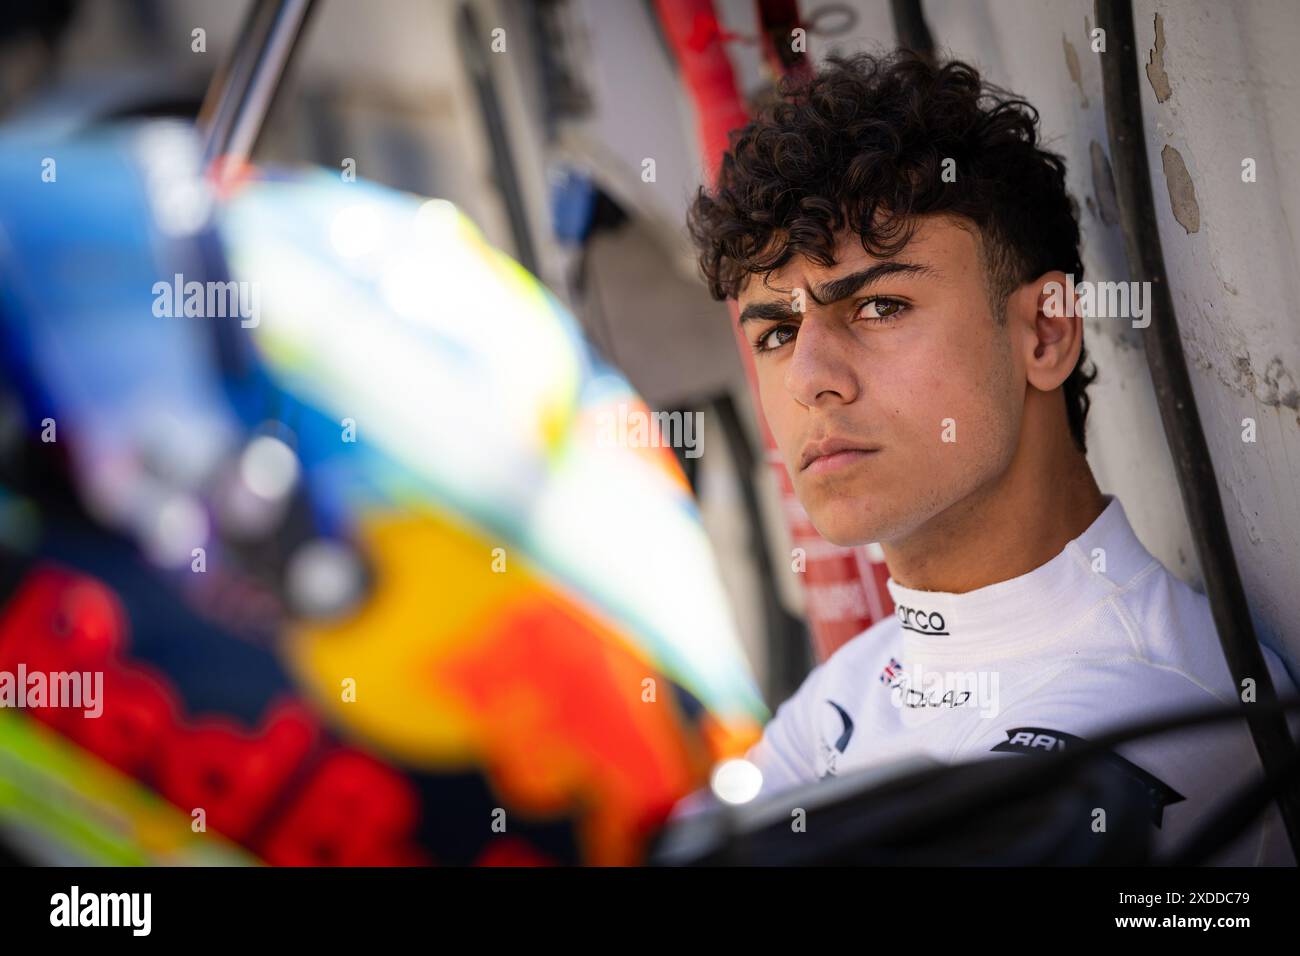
(1098, 637)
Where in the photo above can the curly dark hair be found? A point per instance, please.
(861, 145)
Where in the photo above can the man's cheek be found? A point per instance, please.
(939, 400)
(912, 408)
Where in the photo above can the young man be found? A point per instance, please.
(895, 239)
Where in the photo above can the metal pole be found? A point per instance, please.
(240, 95)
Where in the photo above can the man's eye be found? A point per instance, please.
(881, 309)
(774, 338)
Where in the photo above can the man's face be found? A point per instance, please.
(899, 361)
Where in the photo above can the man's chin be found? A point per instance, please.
(848, 531)
(849, 519)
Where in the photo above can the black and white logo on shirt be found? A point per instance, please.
(920, 620)
(1043, 740)
(831, 752)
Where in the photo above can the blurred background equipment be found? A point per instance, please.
(314, 477)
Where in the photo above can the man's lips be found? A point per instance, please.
(833, 453)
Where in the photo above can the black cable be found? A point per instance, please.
(1182, 423)
(1041, 774)
(1057, 763)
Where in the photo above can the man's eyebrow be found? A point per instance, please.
(842, 288)
(776, 310)
(772, 310)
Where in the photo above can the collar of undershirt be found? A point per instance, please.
(1020, 614)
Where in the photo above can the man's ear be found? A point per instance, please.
(1045, 317)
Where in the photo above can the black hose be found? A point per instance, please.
(1046, 770)
(1241, 809)
(1173, 387)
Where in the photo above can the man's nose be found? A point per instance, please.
(819, 371)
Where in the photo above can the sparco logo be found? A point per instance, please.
(922, 622)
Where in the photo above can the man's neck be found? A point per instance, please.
(1044, 500)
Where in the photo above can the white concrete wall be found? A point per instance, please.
(1233, 81)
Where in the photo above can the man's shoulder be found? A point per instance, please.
(1173, 627)
(1156, 597)
(1153, 605)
